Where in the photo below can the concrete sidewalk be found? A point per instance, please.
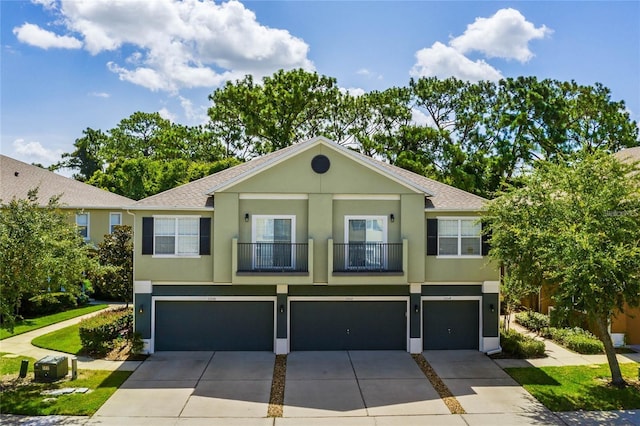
(20, 345)
(559, 356)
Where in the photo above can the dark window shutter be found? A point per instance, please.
(205, 235)
(485, 240)
(147, 235)
(432, 237)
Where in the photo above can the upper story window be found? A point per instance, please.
(459, 237)
(82, 222)
(115, 219)
(272, 237)
(176, 236)
(365, 240)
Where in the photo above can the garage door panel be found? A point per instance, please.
(204, 325)
(348, 325)
(451, 324)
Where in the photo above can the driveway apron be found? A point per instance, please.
(485, 391)
(195, 384)
(357, 383)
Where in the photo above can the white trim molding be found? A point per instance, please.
(365, 197)
(415, 345)
(491, 345)
(282, 346)
(142, 287)
(491, 287)
(415, 288)
(282, 289)
(272, 196)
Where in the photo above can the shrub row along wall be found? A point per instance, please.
(100, 333)
(575, 338)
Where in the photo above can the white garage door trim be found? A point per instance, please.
(155, 299)
(452, 299)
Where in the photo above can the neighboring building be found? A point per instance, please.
(313, 247)
(94, 210)
(625, 327)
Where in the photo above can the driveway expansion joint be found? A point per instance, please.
(447, 397)
(276, 398)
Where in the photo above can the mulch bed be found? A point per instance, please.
(449, 400)
(276, 400)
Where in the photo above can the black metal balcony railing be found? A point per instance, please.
(367, 257)
(273, 257)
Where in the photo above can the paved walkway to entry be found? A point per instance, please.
(20, 345)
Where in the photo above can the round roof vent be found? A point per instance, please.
(320, 164)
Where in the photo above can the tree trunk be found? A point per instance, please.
(603, 332)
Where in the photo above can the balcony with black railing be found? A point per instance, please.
(273, 258)
(368, 258)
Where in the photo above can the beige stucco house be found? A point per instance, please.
(313, 247)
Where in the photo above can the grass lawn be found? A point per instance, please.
(35, 323)
(64, 340)
(584, 387)
(23, 396)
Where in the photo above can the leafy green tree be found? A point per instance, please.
(575, 226)
(287, 107)
(87, 157)
(40, 250)
(115, 254)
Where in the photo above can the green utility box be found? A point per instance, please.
(51, 368)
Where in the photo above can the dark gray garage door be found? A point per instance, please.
(214, 326)
(450, 324)
(349, 325)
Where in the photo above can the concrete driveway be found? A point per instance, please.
(359, 388)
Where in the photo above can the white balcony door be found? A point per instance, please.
(272, 237)
(366, 236)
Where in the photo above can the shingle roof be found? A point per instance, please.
(196, 194)
(18, 178)
(629, 154)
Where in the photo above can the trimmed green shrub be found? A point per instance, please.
(100, 333)
(576, 339)
(534, 321)
(520, 346)
(48, 303)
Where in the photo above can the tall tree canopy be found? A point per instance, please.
(39, 251)
(575, 224)
(475, 136)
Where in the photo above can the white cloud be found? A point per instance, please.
(443, 61)
(176, 43)
(353, 91)
(35, 152)
(504, 35)
(195, 114)
(167, 115)
(47, 4)
(100, 95)
(36, 36)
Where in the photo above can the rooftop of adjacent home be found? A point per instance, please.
(629, 154)
(18, 178)
(199, 193)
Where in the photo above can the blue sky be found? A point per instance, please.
(69, 65)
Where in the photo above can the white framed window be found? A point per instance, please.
(460, 237)
(272, 238)
(115, 219)
(176, 235)
(82, 223)
(365, 238)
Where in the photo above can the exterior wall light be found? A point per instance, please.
(492, 308)
(416, 308)
(392, 218)
(246, 217)
(281, 309)
(141, 308)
